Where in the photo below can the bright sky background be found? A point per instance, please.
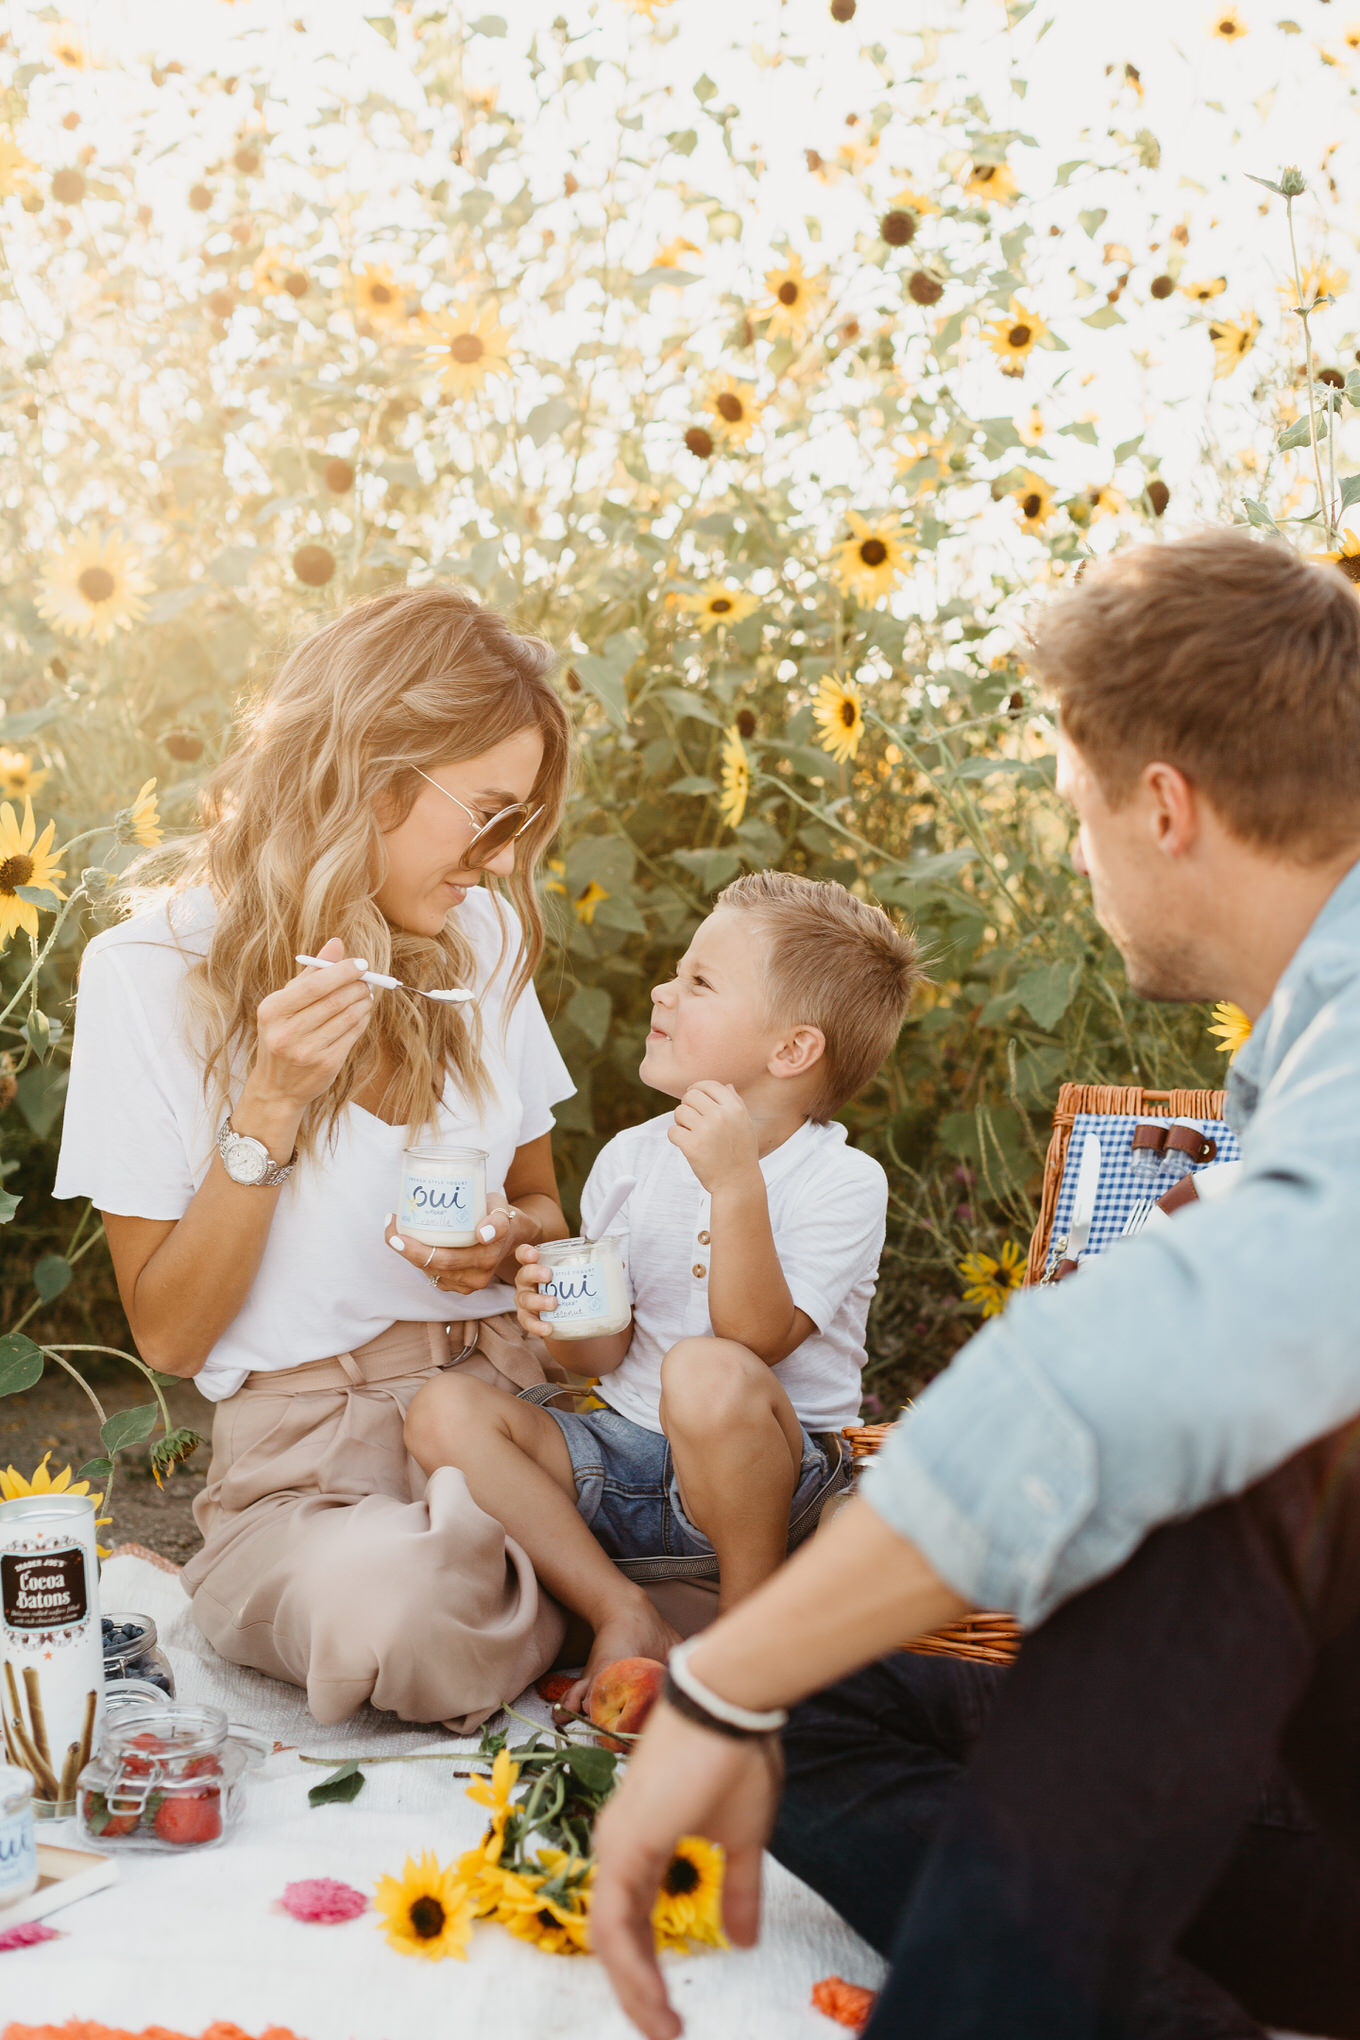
(1218, 111)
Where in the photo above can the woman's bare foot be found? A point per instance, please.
(635, 1631)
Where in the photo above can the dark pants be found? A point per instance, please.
(1081, 1847)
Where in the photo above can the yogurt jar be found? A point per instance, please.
(443, 1195)
(18, 1853)
(589, 1288)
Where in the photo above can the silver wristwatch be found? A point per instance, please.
(249, 1161)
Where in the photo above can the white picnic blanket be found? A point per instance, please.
(180, 1941)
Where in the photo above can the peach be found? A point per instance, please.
(623, 1694)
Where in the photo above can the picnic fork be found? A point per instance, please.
(1138, 1218)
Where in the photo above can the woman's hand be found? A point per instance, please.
(305, 1030)
(681, 1780)
(462, 1271)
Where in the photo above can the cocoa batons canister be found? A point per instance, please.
(51, 1646)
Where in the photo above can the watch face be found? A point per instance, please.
(247, 1161)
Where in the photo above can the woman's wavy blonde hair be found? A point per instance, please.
(292, 846)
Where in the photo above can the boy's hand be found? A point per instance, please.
(530, 1300)
(716, 1135)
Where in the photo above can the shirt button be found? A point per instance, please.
(698, 1269)
(1039, 1494)
(704, 1238)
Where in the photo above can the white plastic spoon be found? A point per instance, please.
(614, 1204)
(391, 984)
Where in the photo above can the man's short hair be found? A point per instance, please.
(1231, 658)
(837, 963)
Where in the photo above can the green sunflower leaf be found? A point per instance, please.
(129, 1427)
(338, 1787)
(1350, 491)
(21, 1362)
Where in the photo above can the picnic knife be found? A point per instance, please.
(1078, 1233)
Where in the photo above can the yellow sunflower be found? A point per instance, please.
(141, 823)
(1031, 430)
(1319, 280)
(1210, 287)
(378, 297)
(994, 183)
(276, 273)
(794, 297)
(494, 1792)
(586, 902)
(427, 1911)
(689, 1904)
(18, 780)
(1035, 499)
(869, 563)
(1231, 1027)
(13, 1484)
(1231, 342)
(924, 447)
(838, 712)
(1347, 558)
(733, 409)
(912, 201)
(671, 256)
(1227, 25)
(543, 1907)
(1014, 338)
(736, 778)
(468, 346)
(717, 605)
(15, 181)
(24, 861)
(93, 588)
(69, 47)
(1100, 500)
(990, 1282)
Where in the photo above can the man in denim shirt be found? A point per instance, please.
(1156, 1467)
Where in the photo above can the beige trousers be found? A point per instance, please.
(331, 1561)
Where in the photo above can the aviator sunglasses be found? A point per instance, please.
(489, 837)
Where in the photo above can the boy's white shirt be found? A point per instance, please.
(828, 1210)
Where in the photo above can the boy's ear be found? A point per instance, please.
(797, 1052)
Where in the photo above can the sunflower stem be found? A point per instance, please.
(52, 1352)
(1324, 500)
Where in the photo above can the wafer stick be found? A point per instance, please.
(33, 1688)
(42, 1775)
(69, 1772)
(87, 1730)
(11, 1749)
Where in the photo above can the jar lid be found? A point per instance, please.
(13, 1780)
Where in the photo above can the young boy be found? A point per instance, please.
(751, 1241)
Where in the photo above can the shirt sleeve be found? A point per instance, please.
(605, 1171)
(830, 1244)
(122, 1141)
(1175, 1371)
(542, 1079)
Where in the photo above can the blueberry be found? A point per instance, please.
(106, 1624)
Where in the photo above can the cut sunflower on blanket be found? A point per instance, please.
(689, 1904)
(428, 1910)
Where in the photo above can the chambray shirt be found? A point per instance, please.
(1183, 1365)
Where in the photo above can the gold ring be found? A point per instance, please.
(429, 1257)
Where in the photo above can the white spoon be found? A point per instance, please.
(391, 984)
(614, 1204)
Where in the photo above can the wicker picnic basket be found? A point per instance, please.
(994, 1639)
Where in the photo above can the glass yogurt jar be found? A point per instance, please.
(589, 1288)
(443, 1195)
(18, 1854)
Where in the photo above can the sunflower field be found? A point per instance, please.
(772, 381)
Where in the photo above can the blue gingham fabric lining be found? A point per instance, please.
(1124, 1180)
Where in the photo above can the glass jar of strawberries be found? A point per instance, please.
(165, 1777)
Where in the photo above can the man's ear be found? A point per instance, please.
(797, 1052)
(1175, 818)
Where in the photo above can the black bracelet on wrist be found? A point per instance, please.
(692, 1711)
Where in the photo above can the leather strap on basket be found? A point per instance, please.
(1149, 1136)
(1179, 1195)
(1188, 1140)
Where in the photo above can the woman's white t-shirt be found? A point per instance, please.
(139, 1135)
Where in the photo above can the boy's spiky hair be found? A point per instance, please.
(834, 962)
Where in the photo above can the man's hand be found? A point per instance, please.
(716, 1135)
(681, 1780)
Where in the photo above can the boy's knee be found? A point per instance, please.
(707, 1384)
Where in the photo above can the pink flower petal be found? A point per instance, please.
(323, 1900)
(27, 1936)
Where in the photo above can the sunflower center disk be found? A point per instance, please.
(730, 407)
(848, 715)
(467, 348)
(1032, 505)
(720, 605)
(1019, 336)
(379, 294)
(427, 1918)
(787, 293)
(96, 584)
(681, 1878)
(873, 552)
(14, 872)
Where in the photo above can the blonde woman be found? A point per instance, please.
(239, 1123)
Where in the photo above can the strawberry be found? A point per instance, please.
(203, 1767)
(105, 1824)
(190, 1819)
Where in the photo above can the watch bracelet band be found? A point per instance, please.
(746, 1720)
(278, 1172)
(676, 1697)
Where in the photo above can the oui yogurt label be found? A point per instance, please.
(588, 1290)
(443, 1198)
(18, 1855)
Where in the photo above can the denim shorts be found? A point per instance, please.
(627, 1491)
